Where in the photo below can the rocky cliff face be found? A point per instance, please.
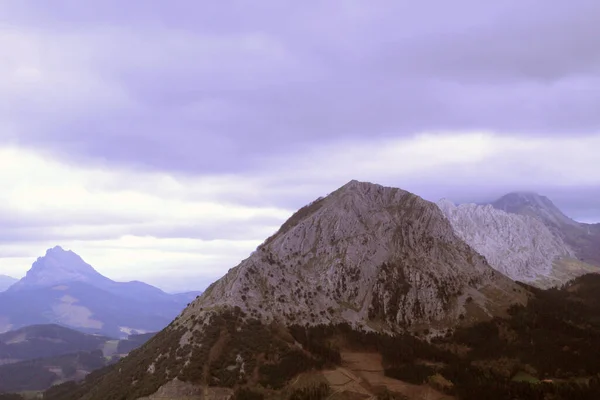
(583, 239)
(520, 246)
(365, 254)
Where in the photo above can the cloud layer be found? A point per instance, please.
(199, 88)
(168, 140)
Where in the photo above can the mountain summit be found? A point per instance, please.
(365, 254)
(535, 205)
(59, 266)
(584, 239)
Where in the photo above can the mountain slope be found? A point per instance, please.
(520, 246)
(365, 256)
(547, 349)
(6, 282)
(584, 239)
(62, 288)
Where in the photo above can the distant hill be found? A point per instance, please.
(40, 374)
(36, 357)
(6, 282)
(40, 341)
(61, 288)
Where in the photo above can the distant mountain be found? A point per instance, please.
(520, 246)
(366, 258)
(37, 357)
(535, 205)
(6, 281)
(584, 239)
(61, 288)
(61, 266)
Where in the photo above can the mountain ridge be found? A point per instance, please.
(583, 238)
(518, 245)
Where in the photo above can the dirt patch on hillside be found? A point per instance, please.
(363, 373)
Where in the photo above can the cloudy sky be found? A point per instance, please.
(163, 141)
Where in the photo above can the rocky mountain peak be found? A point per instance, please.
(533, 204)
(582, 238)
(520, 246)
(58, 266)
(365, 254)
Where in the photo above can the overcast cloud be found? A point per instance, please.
(163, 141)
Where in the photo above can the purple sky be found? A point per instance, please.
(163, 141)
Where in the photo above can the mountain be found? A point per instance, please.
(366, 258)
(61, 266)
(364, 253)
(584, 239)
(520, 246)
(36, 357)
(6, 281)
(62, 288)
(535, 205)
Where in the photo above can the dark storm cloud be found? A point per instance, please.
(214, 87)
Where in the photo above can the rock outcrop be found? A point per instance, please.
(519, 246)
(583, 239)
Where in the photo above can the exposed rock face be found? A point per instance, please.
(519, 246)
(584, 239)
(365, 254)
